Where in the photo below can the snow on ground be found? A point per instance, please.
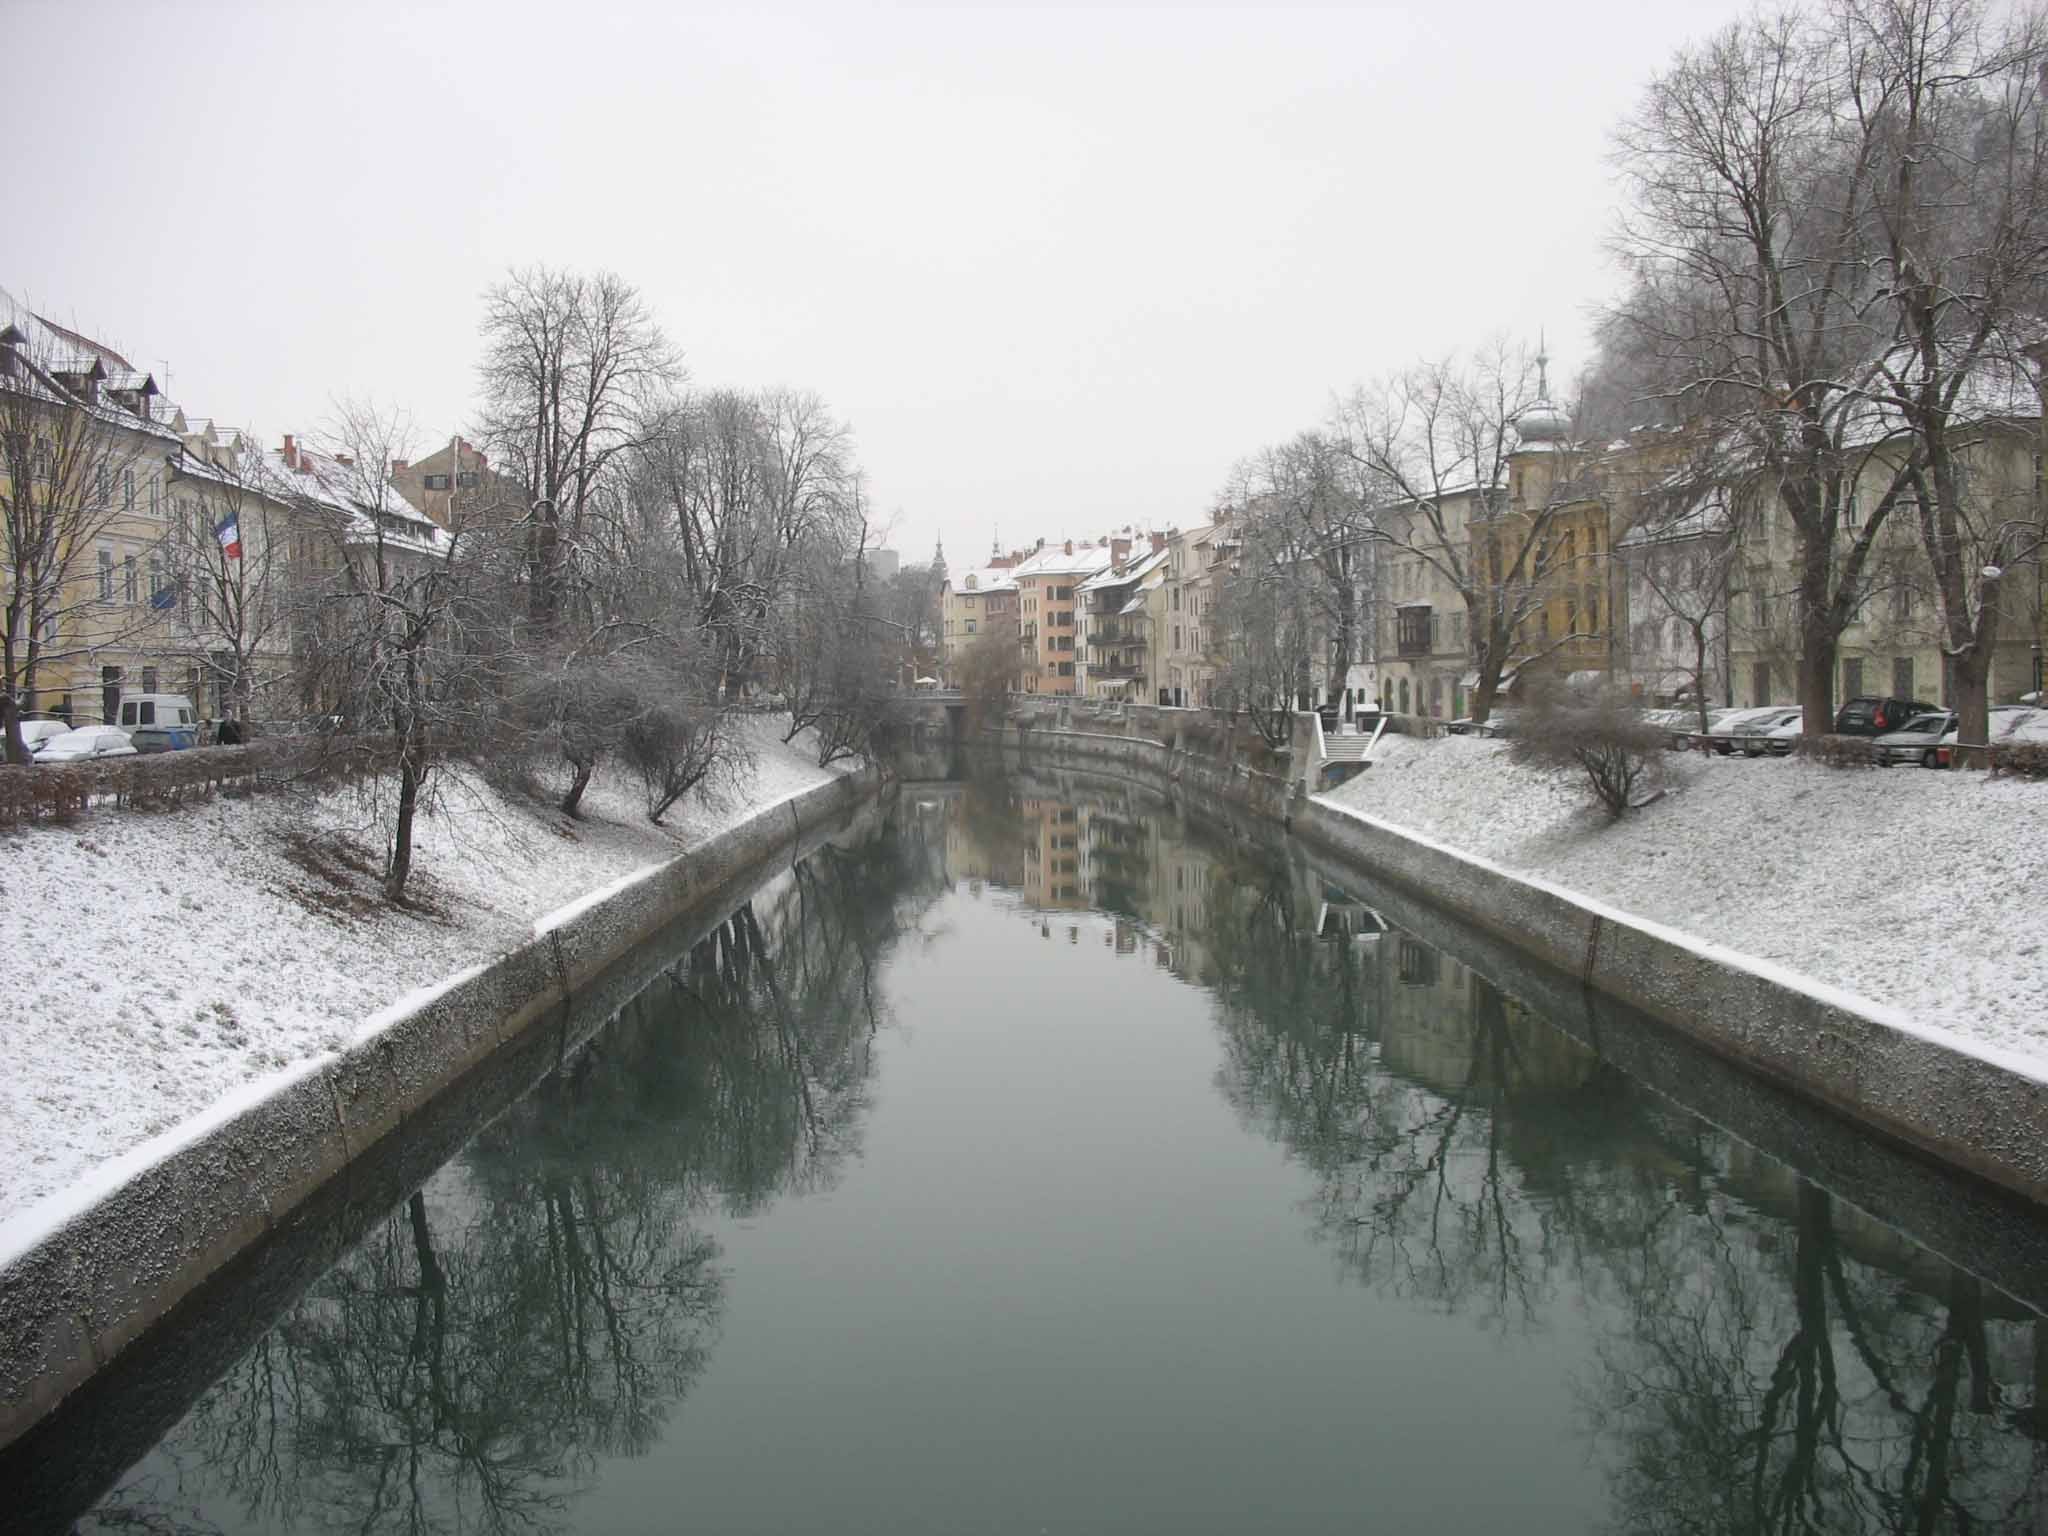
(1920, 890)
(167, 957)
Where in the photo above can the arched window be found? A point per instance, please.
(1436, 698)
(1404, 695)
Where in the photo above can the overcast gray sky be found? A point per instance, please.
(1058, 268)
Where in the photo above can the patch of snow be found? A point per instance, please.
(1905, 889)
(173, 961)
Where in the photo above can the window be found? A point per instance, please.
(1902, 676)
(1760, 683)
(1418, 964)
(45, 459)
(1852, 513)
(1592, 614)
(106, 575)
(128, 583)
(466, 480)
(149, 686)
(101, 480)
(437, 482)
(127, 490)
(1404, 695)
(970, 626)
(1852, 676)
(153, 489)
(1413, 631)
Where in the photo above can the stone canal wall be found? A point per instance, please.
(1971, 1108)
(102, 1263)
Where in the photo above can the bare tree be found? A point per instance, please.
(404, 634)
(1268, 623)
(1304, 503)
(230, 550)
(1751, 165)
(1600, 736)
(1954, 108)
(571, 362)
(72, 450)
(1434, 443)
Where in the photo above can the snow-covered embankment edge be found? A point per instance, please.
(85, 1273)
(1969, 1104)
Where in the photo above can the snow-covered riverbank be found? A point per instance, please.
(1920, 890)
(165, 959)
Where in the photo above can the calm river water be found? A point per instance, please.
(1035, 1166)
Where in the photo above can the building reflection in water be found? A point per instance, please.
(1768, 1357)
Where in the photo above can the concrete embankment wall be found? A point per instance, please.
(85, 1276)
(1972, 1109)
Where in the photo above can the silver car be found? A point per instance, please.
(1917, 741)
(1748, 730)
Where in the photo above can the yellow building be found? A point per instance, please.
(1048, 600)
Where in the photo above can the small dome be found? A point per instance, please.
(1542, 423)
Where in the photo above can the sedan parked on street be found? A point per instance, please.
(1916, 741)
(1733, 730)
(1871, 716)
(86, 744)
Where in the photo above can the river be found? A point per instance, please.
(1033, 1162)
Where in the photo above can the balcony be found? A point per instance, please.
(1132, 635)
(1109, 670)
(1414, 632)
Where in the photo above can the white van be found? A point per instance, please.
(159, 722)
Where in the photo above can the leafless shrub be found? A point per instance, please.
(1599, 735)
(1839, 751)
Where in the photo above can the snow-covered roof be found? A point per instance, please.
(54, 353)
(989, 578)
(1129, 571)
(1054, 560)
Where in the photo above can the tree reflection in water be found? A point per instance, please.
(548, 1299)
(1768, 1360)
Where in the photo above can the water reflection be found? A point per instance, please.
(1766, 1358)
(1745, 1352)
(548, 1300)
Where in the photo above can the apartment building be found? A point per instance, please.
(973, 606)
(1048, 604)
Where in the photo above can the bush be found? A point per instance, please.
(1601, 736)
(58, 792)
(2022, 759)
(1839, 751)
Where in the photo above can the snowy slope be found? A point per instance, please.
(1921, 890)
(177, 955)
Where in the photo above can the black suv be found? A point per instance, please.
(1873, 717)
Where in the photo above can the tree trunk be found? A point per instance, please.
(401, 835)
(1970, 697)
(577, 785)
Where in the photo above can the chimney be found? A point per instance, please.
(398, 466)
(1070, 546)
(1119, 551)
(1158, 542)
(291, 453)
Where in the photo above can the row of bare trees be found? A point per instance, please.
(1834, 240)
(642, 562)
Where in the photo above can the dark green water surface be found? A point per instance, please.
(1031, 1164)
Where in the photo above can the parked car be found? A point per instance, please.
(85, 744)
(35, 732)
(1781, 738)
(1916, 740)
(2011, 725)
(1687, 734)
(1730, 725)
(1500, 723)
(1873, 716)
(159, 722)
(1752, 733)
